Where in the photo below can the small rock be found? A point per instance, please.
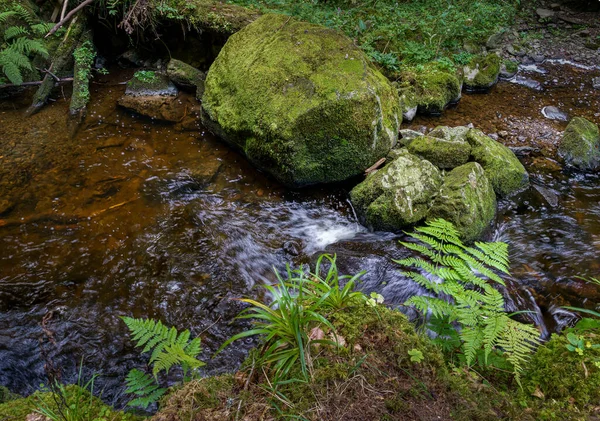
(580, 145)
(596, 82)
(495, 41)
(554, 113)
(292, 248)
(555, 6)
(503, 134)
(526, 60)
(549, 196)
(493, 136)
(538, 58)
(521, 138)
(545, 13)
(407, 135)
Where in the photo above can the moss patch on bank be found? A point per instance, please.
(90, 407)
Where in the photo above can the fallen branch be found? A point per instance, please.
(64, 9)
(374, 166)
(34, 83)
(68, 17)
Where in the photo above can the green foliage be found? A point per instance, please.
(145, 76)
(84, 57)
(20, 44)
(144, 387)
(286, 324)
(461, 279)
(291, 323)
(394, 33)
(168, 348)
(69, 407)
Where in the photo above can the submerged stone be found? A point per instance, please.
(397, 195)
(482, 72)
(153, 95)
(504, 170)
(301, 101)
(580, 144)
(467, 200)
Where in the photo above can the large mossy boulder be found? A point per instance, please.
(301, 101)
(467, 200)
(399, 194)
(502, 167)
(580, 144)
(444, 147)
(482, 72)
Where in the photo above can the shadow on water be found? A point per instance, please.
(132, 217)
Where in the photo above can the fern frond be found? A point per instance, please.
(4, 16)
(28, 46)
(167, 346)
(15, 31)
(144, 387)
(24, 14)
(41, 29)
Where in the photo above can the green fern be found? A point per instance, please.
(19, 43)
(144, 387)
(462, 279)
(168, 347)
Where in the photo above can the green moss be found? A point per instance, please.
(434, 88)
(397, 195)
(502, 167)
(84, 59)
(301, 101)
(443, 153)
(482, 72)
(214, 15)
(511, 66)
(17, 410)
(6, 395)
(467, 200)
(580, 144)
(186, 76)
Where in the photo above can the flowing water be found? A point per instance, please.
(132, 217)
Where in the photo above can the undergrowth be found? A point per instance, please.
(397, 33)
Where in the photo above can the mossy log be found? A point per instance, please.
(62, 61)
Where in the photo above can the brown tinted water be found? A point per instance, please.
(133, 217)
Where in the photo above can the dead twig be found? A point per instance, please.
(35, 83)
(64, 9)
(68, 17)
(375, 166)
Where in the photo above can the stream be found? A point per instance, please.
(137, 218)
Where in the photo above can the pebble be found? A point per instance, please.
(503, 134)
(554, 113)
(596, 82)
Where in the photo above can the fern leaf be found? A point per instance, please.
(144, 387)
(15, 31)
(4, 16)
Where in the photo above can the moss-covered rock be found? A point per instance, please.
(186, 76)
(301, 101)
(153, 95)
(434, 88)
(502, 167)
(580, 144)
(444, 153)
(397, 195)
(482, 72)
(6, 395)
(91, 408)
(467, 200)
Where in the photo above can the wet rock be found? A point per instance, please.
(495, 41)
(300, 101)
(580, 144)
(293, 248)
(186, 76)
(397, 195)
(5, 206)
(445, 153)
(549, 196)
(538, 58)
(467, 200)
(206, 171)
(596, 82)
(508, 69)
(407, 135)
(503, 169)
(545, 13)
(554, 113)
(482, 72)
(434, 88)
(153, 96)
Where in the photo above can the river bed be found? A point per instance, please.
(134, 217)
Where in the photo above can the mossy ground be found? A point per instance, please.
(90, 409)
